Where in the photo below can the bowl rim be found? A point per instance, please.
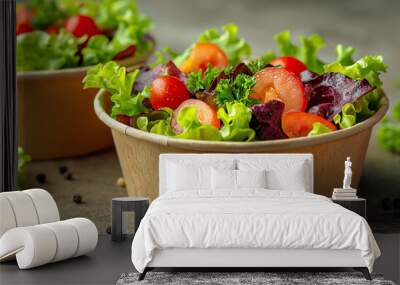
(235, 146)
(129, 61)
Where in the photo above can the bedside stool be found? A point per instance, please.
(357, 205)
(120, 208)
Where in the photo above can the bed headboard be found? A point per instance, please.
(214, 157)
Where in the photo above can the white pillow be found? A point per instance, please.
(251, 178)
(287, 174)
(223, 179)
(193, 175)
(226, 179)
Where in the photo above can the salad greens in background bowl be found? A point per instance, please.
(216, 97)
(57, 41)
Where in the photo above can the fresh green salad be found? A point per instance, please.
(56, 34)
(216, 90)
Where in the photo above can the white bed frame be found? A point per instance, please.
(250, 258)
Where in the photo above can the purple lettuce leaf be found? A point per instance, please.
(147, 75)
(327, 93)
(267, 120)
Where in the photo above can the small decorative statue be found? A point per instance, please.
(347, 174)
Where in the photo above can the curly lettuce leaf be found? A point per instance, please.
(319, 129)
(388, 134)
(237, 89)
(157, 122)
(307, 51)
(193, 129)
(368, 67)
(40, 51)
(235, 48)
(236, 118)
(119, 83)
(344, 55)
(48, 12)
(347, 118)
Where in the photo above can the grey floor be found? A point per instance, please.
(110, 260)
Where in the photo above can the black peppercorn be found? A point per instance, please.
(41, 178)
(77, 198)
(62, 169)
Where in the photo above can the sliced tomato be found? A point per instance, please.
(167, 91)
(129, 51)
(23, 13)
(203, 55)
(289, 63)
(24, 27)
(279, 84)
(205, 114)
(80, 25)
(299, 124)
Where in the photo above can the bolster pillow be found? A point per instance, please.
(26, 208)
(40, 244)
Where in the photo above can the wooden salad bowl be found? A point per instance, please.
(55, 115)
(138, 151)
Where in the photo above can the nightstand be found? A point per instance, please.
(357, 205)
(121, 208)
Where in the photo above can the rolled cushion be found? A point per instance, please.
(7, 218)
(41, 244)
(23, 208)
(46, 207)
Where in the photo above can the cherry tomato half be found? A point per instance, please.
(167, 91)
(289, 63)
(80, 25)
(205, 114)
(203, 55)
(24, 27)
(299, 124)
(279, 84)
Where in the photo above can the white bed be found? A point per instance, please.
(248, 227)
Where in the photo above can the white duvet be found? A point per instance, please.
(250, 219)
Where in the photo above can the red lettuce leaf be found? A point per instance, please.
(267, 120)
(327, 93)
(147, 75)
(238, 69)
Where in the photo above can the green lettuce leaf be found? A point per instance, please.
(368, 67)
(236, 119)
(119, 83)
(193, 129)
(388, 133)
(235, 48)
(319, 129)
(347, 118)
(307, 51)
(41, 51)
(238, 90)
(344, 55)
(157, 122)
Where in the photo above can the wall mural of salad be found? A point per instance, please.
(215, 90)
(60, 34)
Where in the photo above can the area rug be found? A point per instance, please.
(243, 278)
